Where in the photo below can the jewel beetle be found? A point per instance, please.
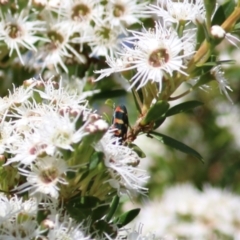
(120, 122)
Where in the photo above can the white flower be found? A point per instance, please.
(58, 47)
(18, 206)
(21, 230)
(51, 132)
(66, 228)
(156, 53)
(120, 154)
(27, 149)
(18, 218)
(37, 129)
(26, 115)
(79, 14)
(122, 13)
(8, 210)
(128, 180)
(121, 162)
(44, 177)
(222, 81)
(48, 3)
(115, 64)
(24, 225)
(18, 31)
(62, 98)
(104, 40)
(17, 96)
(60, 131)
(178, 11)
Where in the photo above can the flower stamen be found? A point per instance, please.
(158, 57)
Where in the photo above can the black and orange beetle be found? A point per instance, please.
(120, 122)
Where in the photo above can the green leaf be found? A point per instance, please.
(95, 159)
(159, 122)
(176, 145)
(91, 138)
(85, 151)
(183, 107)
(79, 214)
(137, 150)
(230, 61)
(204, 79)
(237, 26)
(210, 6)
(81, 208)
(135, 94)
(215, 63)
(200, 35)
(84, 202)
(66, 153)
(155, 112)
(127, 217)
(41, 215)
(223, 12)
(99, 212)
(113, 208)
(209, 64)
(71, 175)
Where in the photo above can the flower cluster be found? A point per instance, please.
(64, 167)
(180, 11)
(185, 212)
(57, 38)
(35, 133)
(48, 133)
(157, 55)
(159, 59)
(19, 221)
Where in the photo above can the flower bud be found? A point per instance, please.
(218, 32)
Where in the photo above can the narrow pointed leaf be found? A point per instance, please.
(159, 122)
(95, 160)
(155, 112)
(113, 208)
(137, 150)
(183, 107)
(127, 217)
(176, 145)
(223, 12)
(134, 93)
(210, 6)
